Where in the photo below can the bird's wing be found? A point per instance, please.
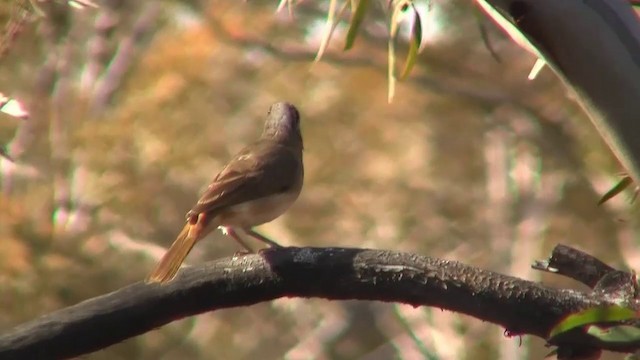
(259, 170)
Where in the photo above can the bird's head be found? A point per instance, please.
(283, 124)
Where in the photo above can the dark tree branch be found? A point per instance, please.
(602, 278)
(522, 307)
(576, 265)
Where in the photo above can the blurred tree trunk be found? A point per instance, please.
(594, 48)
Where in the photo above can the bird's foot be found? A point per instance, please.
(229, 231)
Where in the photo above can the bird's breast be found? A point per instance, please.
(257, 212)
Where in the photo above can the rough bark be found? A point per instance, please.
(520, 306)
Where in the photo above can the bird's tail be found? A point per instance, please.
(168, 266)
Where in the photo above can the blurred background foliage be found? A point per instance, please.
(136, 105)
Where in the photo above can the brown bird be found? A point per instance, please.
(259, 184)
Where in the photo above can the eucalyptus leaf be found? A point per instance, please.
(356, 21)
(414, 44)
(596, 315)
(616, 189)
(616, 334)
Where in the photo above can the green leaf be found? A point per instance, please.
(593, 316)
(399, 7)
(617, 189)
(356, 20)
(616, 334)
(414, 47)
(391, 76)
(329, 28)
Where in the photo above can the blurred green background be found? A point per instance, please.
(135, 106)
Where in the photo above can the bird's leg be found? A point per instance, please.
(228, 230)
(262, 238)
